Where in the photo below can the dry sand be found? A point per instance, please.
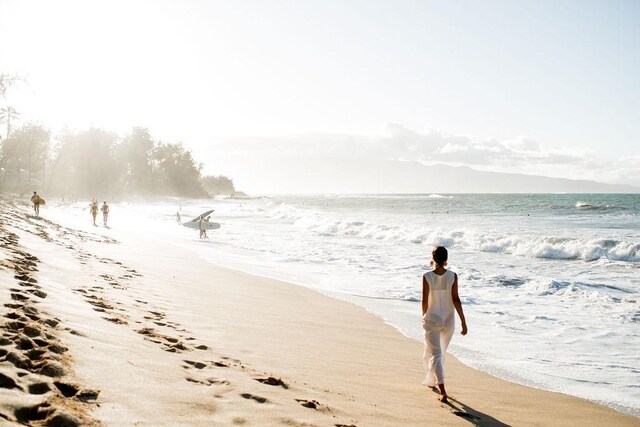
(140, 332)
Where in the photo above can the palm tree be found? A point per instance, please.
(7, 81)
(6, 115)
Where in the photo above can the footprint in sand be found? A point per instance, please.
(197, 365)
(67, 390)
(169, 344)
(200, 366)
(36, 351)
(116, 320)
(208, 381)
(38, 412)
(311, 404)
(18, 297)
(39, 388)
(272, 381)
(258, 399)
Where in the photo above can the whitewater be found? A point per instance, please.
(550, 284)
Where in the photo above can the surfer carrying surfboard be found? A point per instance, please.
(203, 231)
(36, 200)
(202, 223)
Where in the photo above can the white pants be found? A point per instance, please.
(436, 341)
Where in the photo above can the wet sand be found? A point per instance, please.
(96, 330)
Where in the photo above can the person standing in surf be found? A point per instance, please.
(439, 300)
(203, 231)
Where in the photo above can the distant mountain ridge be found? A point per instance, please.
(466, 179)
(390, 176)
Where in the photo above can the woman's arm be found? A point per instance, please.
(458, 305)
(425, 295)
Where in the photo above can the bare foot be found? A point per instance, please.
(443, 394)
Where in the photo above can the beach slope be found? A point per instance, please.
(97, 329)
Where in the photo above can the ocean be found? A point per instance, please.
(550, 283)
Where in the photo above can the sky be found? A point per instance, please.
(536, 87)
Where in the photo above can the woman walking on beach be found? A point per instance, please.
(439, 299)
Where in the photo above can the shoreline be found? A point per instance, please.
(354, 298)
(351, 299)
(206, 344)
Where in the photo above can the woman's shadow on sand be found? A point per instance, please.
(474, 416)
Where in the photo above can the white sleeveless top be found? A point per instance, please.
(440, 310)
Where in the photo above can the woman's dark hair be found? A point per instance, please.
(440, 255)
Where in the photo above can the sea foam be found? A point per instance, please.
(550, 285)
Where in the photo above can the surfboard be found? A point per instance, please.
(205, 225)
(196, 219)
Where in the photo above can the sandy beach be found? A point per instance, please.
(97, 330)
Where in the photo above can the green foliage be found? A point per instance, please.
(8, 115)
(136, 152)
(216, 185)
(85, 163)
(6, 81)
(97, 163)
(23, 157)
(178, 173)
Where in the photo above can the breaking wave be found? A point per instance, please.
(589, 207)
(526, 245)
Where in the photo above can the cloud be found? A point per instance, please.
(450, 148)
(397, 142)
(522, 144)
(623, 170)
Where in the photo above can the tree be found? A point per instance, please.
(178, 173)
(136, 152)
(95, 163)
(6, 81)
(24, 155)
(218, 185)
(86, 165)
(7, 114)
